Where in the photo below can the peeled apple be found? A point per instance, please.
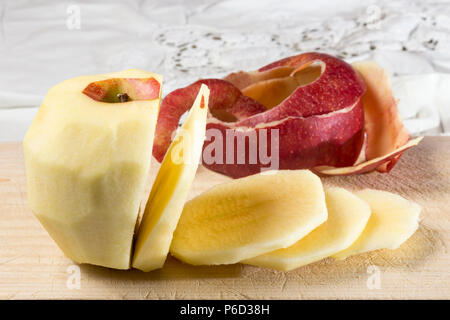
(87, 158)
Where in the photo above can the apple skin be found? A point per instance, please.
(303, 142)
(339, 86)
(388, 159)
(383, 126)
(136, 89)
(387, 138)
(320, 123)
(333, 119)
(225, 101)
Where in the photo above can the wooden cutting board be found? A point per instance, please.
(32, 266)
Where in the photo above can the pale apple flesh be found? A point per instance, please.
(86, 168)
(347, 218)
(393, 220)
(171, 187)
(247, 217)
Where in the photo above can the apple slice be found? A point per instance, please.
(171, 188)
(86, 162)
(394, 219)
(347, 218)
(248, 217)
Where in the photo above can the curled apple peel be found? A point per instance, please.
(385, 131)
(310, 111)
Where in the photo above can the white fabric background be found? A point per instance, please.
(41, 45)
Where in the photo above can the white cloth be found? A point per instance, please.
(45, 42)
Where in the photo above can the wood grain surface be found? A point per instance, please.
(32, 266)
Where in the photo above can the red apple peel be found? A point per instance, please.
(318, 106)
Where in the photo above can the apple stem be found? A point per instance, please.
(123, 97)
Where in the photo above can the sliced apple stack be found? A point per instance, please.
(279, 221)
(248, 217)
(394, 219)
(347, 218)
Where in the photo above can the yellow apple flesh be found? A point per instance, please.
(347, 218)
(393, 220)
(86, 164)
(248, 217)
(171, 187)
